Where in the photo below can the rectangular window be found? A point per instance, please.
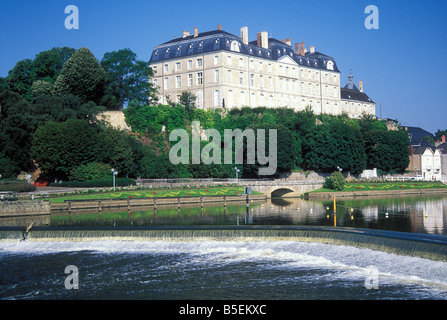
(166, 83)
(252, 79)
(199, 96)
(189, 64)
(216, 59)
(241, 78)
(166, 68)
(216, 76)
(199, 63)
(229, 60)
(178, 81)
(190, 80)
(241, 63)
(199, 78)
(178, 66)
(229, 76)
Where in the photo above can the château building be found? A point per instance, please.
(225, 71)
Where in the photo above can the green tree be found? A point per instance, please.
(439, 133)
(90, 172)
(127, 79)
(47, 65)
(16, 127)
(41, 88)
(82, 76)
(387, 150)
(188, 101)
(336, 181)
(112, 148)
(60, 147)
(286, 150)
(20, 78)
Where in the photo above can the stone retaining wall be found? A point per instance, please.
(15, 208)
(374, 193)
(136, 202)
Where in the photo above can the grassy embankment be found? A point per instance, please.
(383, 186)
(155, 193)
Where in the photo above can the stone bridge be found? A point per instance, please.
(283, 188)
(272, 188)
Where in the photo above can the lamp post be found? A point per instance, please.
(114, 173)
(237, 171)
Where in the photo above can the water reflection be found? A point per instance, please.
(408, 214)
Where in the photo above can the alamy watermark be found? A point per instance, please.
(372, 20)
(72, 20)
(212, 152)
(72, 280)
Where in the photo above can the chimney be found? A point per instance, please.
(361, 86)
(259, 42)
(312, 49)
(264, 39)
(302, 48)
(244, 35)
(282, 40)
(443, 139)
(297, 49)
(185, 34)
(288, 42)
(219, 27)
(196, 32)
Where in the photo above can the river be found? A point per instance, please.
(229, 268)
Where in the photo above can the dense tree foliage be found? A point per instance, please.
(48, 109)
(127, 79)
(82, 76)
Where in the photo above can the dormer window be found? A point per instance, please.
(330, 65)
(234, 46)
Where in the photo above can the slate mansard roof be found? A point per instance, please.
(354, 95)
(218, 40)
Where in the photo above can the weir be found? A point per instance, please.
(419, 245)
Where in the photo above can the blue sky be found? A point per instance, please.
(401, 64)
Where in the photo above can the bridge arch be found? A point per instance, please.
(280, 192)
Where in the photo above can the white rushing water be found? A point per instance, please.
(345, 262)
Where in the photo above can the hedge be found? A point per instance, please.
(120, 182)
(17, 186)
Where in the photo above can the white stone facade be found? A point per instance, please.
(248, 74)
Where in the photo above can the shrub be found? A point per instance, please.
(91, 172)
(336, 181)
(17, 186)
